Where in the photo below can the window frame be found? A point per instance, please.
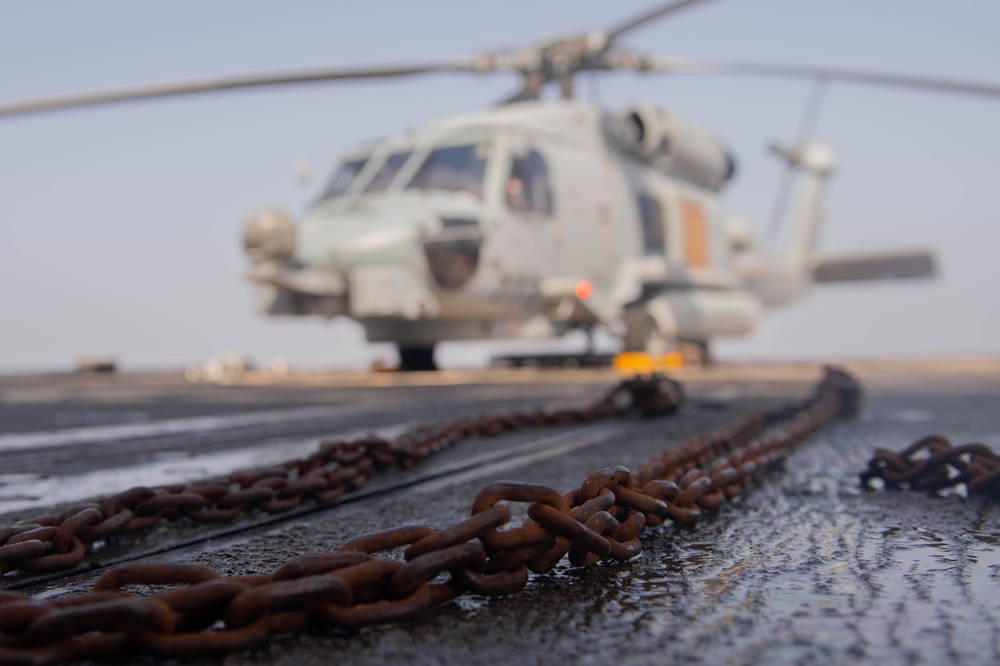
(406, 153)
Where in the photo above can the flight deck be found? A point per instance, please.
(802, 566)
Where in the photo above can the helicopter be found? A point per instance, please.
(534, 218)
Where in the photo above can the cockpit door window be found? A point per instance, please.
(529, 187)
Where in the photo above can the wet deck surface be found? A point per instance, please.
(804, 568)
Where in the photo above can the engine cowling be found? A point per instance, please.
(676, 146)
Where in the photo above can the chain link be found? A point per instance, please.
(56, 542)
(933, 463)
(202, 613)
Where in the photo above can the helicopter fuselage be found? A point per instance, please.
(523, 221)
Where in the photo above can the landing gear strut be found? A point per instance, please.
(413, 359)
(643, 335)
(641, 332)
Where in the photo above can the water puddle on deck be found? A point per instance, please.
(903, 415)
(938, 567)
(20, 492)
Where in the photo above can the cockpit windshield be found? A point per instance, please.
(453, 169)
(387, 172)
(343, 178)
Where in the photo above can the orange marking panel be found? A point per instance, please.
(696, 241)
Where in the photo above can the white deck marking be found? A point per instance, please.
(183, 426)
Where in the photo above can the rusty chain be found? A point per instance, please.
(56, 542)
(933, 463)
(201, 613)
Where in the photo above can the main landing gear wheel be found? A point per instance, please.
(415, 359)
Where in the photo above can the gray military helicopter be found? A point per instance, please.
(534, 218)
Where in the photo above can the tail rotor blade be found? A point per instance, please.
(807, 127)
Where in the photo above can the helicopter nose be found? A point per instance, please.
(452, 251)
(386, 245)
(450, 247)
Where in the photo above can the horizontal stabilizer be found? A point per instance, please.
(898, 266)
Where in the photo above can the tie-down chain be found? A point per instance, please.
(56, 542)
(202, 613)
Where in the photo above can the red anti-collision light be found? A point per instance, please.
(584, 289)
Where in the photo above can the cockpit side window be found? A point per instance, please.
(453, 169)
(651, 219)
(343, 178)
(386, 173)
(529, 188)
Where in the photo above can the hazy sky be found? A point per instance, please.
(120, 227)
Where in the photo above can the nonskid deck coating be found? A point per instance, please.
(806, 568)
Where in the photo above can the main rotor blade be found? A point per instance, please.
(651, 15)
(198, 86)
(678, 66)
